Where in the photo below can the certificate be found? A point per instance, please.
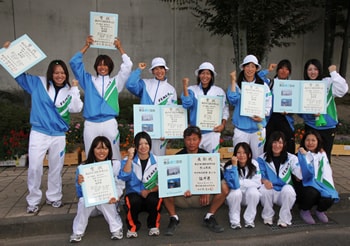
(198, 173)
(99, 184)
(209, 112)
(300, 96)
(253, 100)
(104, 29)
(168, 121)
(22, 54)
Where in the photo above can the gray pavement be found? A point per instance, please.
(52, 226)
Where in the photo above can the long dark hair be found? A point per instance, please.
(50, 71)
(107, 61)
(276, 136)
(105, 143)
(317, 64)
(318, 137)
(249, 164)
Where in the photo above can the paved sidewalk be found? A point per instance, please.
(14, 219)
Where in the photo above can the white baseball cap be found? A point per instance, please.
(158, 62)
(249, 59)
(205, 65)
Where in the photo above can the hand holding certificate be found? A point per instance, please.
(197, 173)
(99, 185)
(104, 29)
(21, 56)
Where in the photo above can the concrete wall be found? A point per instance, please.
(147, 28)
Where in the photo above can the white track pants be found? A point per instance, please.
(210, 142)
(284, 198)
(109, 212)
(250, 198)
(109, 129)
(256, 140)
(39, 144)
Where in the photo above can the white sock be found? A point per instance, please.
(207, 216)
(175, 216)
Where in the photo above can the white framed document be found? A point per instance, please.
(99, 184)
(209, 112)
(160, 121)
(198, 173)
(22, 55)
(300, 96)
(253, 100)
(104, 29)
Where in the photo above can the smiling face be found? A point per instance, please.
(242, 157)
(205, 77)
(101, 152)
(159, 73)
(143, 148)
(59, 76)
(249, 71)
(277, 147)
(312, 72)
(283, 73)
(311, 142)
(102, 69)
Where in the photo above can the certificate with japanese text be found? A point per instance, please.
(209, 112)
(168, 121)
(22, 54)
(253, 100)
(104, 29)
(99, 184)
(300, 96)
(198, 173)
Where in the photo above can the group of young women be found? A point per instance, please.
(265, 168)
(259, 171)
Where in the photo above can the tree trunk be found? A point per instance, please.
(329, 34)
(345, 47)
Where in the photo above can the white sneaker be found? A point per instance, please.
(268, 222)
(154, 231)
(117, 234)
(249, 225)
(131, 234)
(236, 226)
(55, 204)
(75, 238)
(32, 209)
(282, 224)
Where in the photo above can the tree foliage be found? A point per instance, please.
(255, 26)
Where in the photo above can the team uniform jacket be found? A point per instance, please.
(151, 91)
(245, 123)
(235, 181)
(190, 102)
(339, 89)
(278, 180)
(317, 173)
(134, 180)
(48, 115)
(101, 92)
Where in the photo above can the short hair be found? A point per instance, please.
(318, 137)
(50, 71)
(192, 130)
(284, 63)
(107, 61)
(97, 140)
(138, 137)
(276, 136)
(317, 64)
